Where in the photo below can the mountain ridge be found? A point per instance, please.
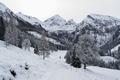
(61, 30)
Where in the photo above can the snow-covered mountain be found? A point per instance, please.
(56, 23)
(52, 24)
(5, 15)
(101, 21)
(37, 35)
(101, 26)
(58, 28)
(30, 19)
(4, 8)
(18, 64)
(24, 24)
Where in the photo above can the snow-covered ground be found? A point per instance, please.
(37, 35)
(108, 59)
(56, 23)
(104, 19)
(32, 20)
(2, 7)
(52, 68)
(115, 48)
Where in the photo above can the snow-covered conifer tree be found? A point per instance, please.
(85, 49)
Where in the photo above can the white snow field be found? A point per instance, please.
(108, 59)
(52, 68)
(37, 35)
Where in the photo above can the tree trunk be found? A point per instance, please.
(43, 55)
(84, 65)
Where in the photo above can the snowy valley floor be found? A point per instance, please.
(53, 68)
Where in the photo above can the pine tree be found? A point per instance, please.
(72, 59)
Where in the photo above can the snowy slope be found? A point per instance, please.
(5, 12)
(101, 20)
(108, 59)
(69, 28)
(102, 26)
(115, 48)
(3, 8)
(37, 35)
(56, 23)
(32, 20)
(53, 68)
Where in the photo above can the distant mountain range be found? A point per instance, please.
(105, 28)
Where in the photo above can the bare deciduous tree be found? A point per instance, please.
(11, 32)
(85, 51)
(44, 46)
(26, 44)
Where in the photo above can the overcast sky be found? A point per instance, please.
(75, 9)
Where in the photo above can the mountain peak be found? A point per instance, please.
(101, 20)
(55, 20)
(55, 17)
(70, 22)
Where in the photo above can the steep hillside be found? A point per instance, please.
(57, 27)
(28, 66)
(32, 20)
(6, 15)
(103, 27)
(23, 23)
